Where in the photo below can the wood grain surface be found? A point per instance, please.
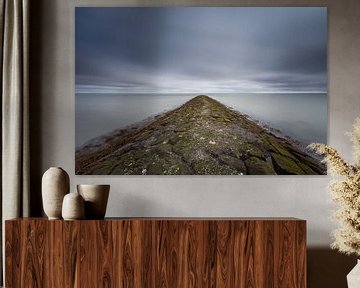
(159, 252)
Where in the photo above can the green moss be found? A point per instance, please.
(286, 165)
(252, 150)
(184, 149)
(266, 143)
(210, 166)
(256, 152)
(123, 170)
(281, 150)
(174, 138)
(157, 167)
(178, 168)
(234, 163)
(132, 162)
(162, 149)
(256, 166)
(138, 154)
(103, 168)
(306, 169)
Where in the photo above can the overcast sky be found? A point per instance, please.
(201, 50)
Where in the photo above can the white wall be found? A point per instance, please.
(53, 126)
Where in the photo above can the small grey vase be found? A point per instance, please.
(73, 207)
(55, 185)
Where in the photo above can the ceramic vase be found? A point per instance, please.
(96, 198)
(55, 185)
(73, 207)
(353, 278)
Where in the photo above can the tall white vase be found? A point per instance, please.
(55, 185)
(353, 278)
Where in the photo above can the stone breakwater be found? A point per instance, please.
(201, 137)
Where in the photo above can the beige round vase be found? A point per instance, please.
(96, 198)
(73, 207)
(55, 185)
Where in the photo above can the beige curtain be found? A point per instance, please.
(14, 113)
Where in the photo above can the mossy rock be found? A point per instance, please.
(121, 169)
(286, 165)
(256, 166)
(209, 166)
(233, 162)
(251, 150)
(162, 149)
(315, 165)
(133, 162)
(281, 149)
(307, 169)
(171, 165)
(184, 149)
(103, 168)
(174, 138)
(158, 167)
(178, 168)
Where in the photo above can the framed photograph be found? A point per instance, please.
(200, 90)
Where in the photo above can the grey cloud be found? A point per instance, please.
(177, 49)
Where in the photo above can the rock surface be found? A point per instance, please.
(202, 136)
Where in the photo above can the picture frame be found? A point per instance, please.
(287, 156)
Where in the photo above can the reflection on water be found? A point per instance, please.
(301, 116)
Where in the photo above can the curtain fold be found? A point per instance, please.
(14, 111)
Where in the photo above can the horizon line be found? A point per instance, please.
(200, 93)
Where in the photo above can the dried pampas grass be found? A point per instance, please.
(345, 191)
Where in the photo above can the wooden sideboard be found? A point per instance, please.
(156, 252)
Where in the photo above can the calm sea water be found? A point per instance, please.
(301, 116)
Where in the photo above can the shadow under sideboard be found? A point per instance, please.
(328, 268)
